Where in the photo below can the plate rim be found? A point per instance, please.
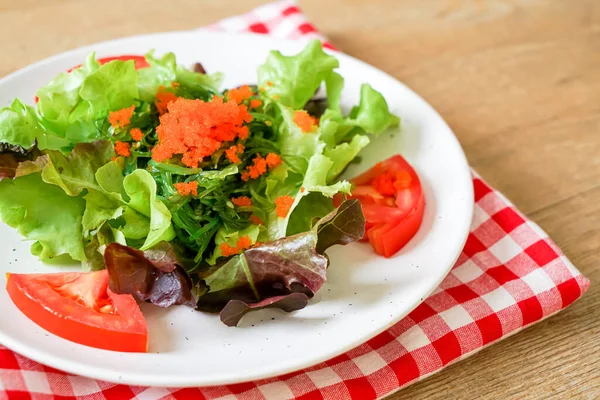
(100, 373)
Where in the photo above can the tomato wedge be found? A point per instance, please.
(81, 308)
(140, 62)
(393, 204)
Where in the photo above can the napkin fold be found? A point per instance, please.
(509, 275)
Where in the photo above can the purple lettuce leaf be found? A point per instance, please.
(10, 158)
(294, 264)
(8, 165)
(163, 257)
(155, 275)
(233, 312)
(342, 226)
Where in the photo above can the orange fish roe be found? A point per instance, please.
(242, 244)
(196, 129)
(233, 152)
(136, 134)
(228, 250)
(255, 219)
(273, 160)
(389, 183)
(243, 132)
(304, 121)
(255, 103)
(185, 189)
(174, 85)
(239, 94)
(163, 99)
(269, 83)
(276, 97)
(283, 205)
(302, 190)
(121, 118)
(258, 167)
(123, 149)
(241, 201)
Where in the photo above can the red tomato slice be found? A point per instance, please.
(388, 239)
(140, 62)
(391, 220)
(81, 308)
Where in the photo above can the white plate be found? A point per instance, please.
(364, 295)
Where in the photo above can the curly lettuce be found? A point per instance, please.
(314, 160)
(44, 214)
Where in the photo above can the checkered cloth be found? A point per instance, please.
(509, 276)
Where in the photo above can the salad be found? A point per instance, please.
(172, 191)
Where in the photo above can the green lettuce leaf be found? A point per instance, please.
(75, 172)
(372, 114)
(45, 214)
(310, 208)
(99, 208)
(334, 84)
(110, 178)
(308, 165)
(225, 236)
(19, 125)
(294, 79)
(94, 250)
(335, 128)
(87, 168)
(60, 96)
(107, 203)
(111, 87)
(297, 147)
(135, 225)
(164, 71)
(129, 204)
(342, 154)
(314, 183)
(141, 189)
(72, 102)
(315, 179)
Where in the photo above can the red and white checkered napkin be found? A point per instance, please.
(509, 276)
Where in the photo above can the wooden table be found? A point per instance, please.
(518, 81)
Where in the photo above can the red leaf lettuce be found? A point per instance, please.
(284, 273)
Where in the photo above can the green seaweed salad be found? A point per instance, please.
(221, 200)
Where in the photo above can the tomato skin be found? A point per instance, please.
(69, 305)
(391, 221)
(390, 238)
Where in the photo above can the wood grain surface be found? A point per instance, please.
(517, 80)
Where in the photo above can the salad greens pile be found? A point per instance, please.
(243, 227)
